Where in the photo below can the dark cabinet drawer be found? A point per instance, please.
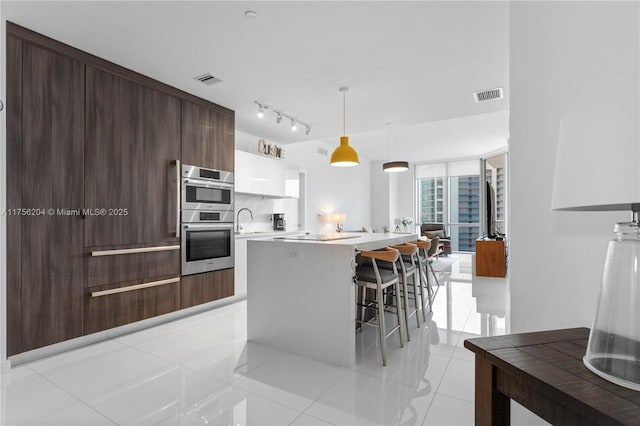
(114, 305)
(207, 287)
(109, 267)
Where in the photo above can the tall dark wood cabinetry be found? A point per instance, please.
(207, 136)
(84, 134)
(133, 140)
(45, 144)
(132, 145)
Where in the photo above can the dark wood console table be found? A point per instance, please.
(490, 258)
(544, 372)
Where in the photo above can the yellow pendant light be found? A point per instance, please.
(344, 155)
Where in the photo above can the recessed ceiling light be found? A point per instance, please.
(251, 14)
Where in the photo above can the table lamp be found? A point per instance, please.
(337, 218)
(598, 169)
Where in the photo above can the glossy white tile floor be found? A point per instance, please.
(202, 370)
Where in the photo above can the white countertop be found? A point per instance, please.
(358, 240)
(266, 234)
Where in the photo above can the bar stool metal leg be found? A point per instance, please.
(418, 305)
(435, 277)
(423, 286)
(381, 326)
(405, 303)
(396, 290)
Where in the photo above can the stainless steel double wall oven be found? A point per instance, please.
(207, 220)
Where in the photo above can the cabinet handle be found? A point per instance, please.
(134, 250)
(178, 177)
(134, 287)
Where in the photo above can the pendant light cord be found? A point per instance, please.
(344, 113)
(388, 141)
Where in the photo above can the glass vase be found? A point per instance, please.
(613, 351)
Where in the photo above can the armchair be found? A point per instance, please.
(431, 230)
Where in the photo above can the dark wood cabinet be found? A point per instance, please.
(46, 146)
(207, 287)
(133, 140)
(105, 309)
(207, 136)
(113, 269)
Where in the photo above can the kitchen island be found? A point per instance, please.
(301, 294)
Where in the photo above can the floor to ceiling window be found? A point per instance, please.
(450, 193)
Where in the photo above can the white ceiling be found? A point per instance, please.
(415, 64)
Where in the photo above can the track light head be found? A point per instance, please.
(263, 108)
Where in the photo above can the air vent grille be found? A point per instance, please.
(207, 79)
(488, 95)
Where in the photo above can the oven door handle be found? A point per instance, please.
(206, 184)
(207, 225)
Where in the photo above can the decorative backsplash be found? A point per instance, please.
(262, 209)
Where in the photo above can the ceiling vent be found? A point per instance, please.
(488, 95)
(207, 79)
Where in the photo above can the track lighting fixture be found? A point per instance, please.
(280, 115)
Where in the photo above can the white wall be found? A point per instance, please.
(392, 195)
(561, 54)
(247, 142)
(381, 212)
(405, 201)
(332, 189)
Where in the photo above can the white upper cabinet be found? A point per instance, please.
(292, 182)
(261, 175)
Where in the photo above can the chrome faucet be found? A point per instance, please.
(238, 217)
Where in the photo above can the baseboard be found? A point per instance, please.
(101, 336)
(5, 367)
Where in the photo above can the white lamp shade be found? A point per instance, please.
(339, 217)
(333, 218)
(598, 156)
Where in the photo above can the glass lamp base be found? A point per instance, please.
(613, 351)
(620, 363)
